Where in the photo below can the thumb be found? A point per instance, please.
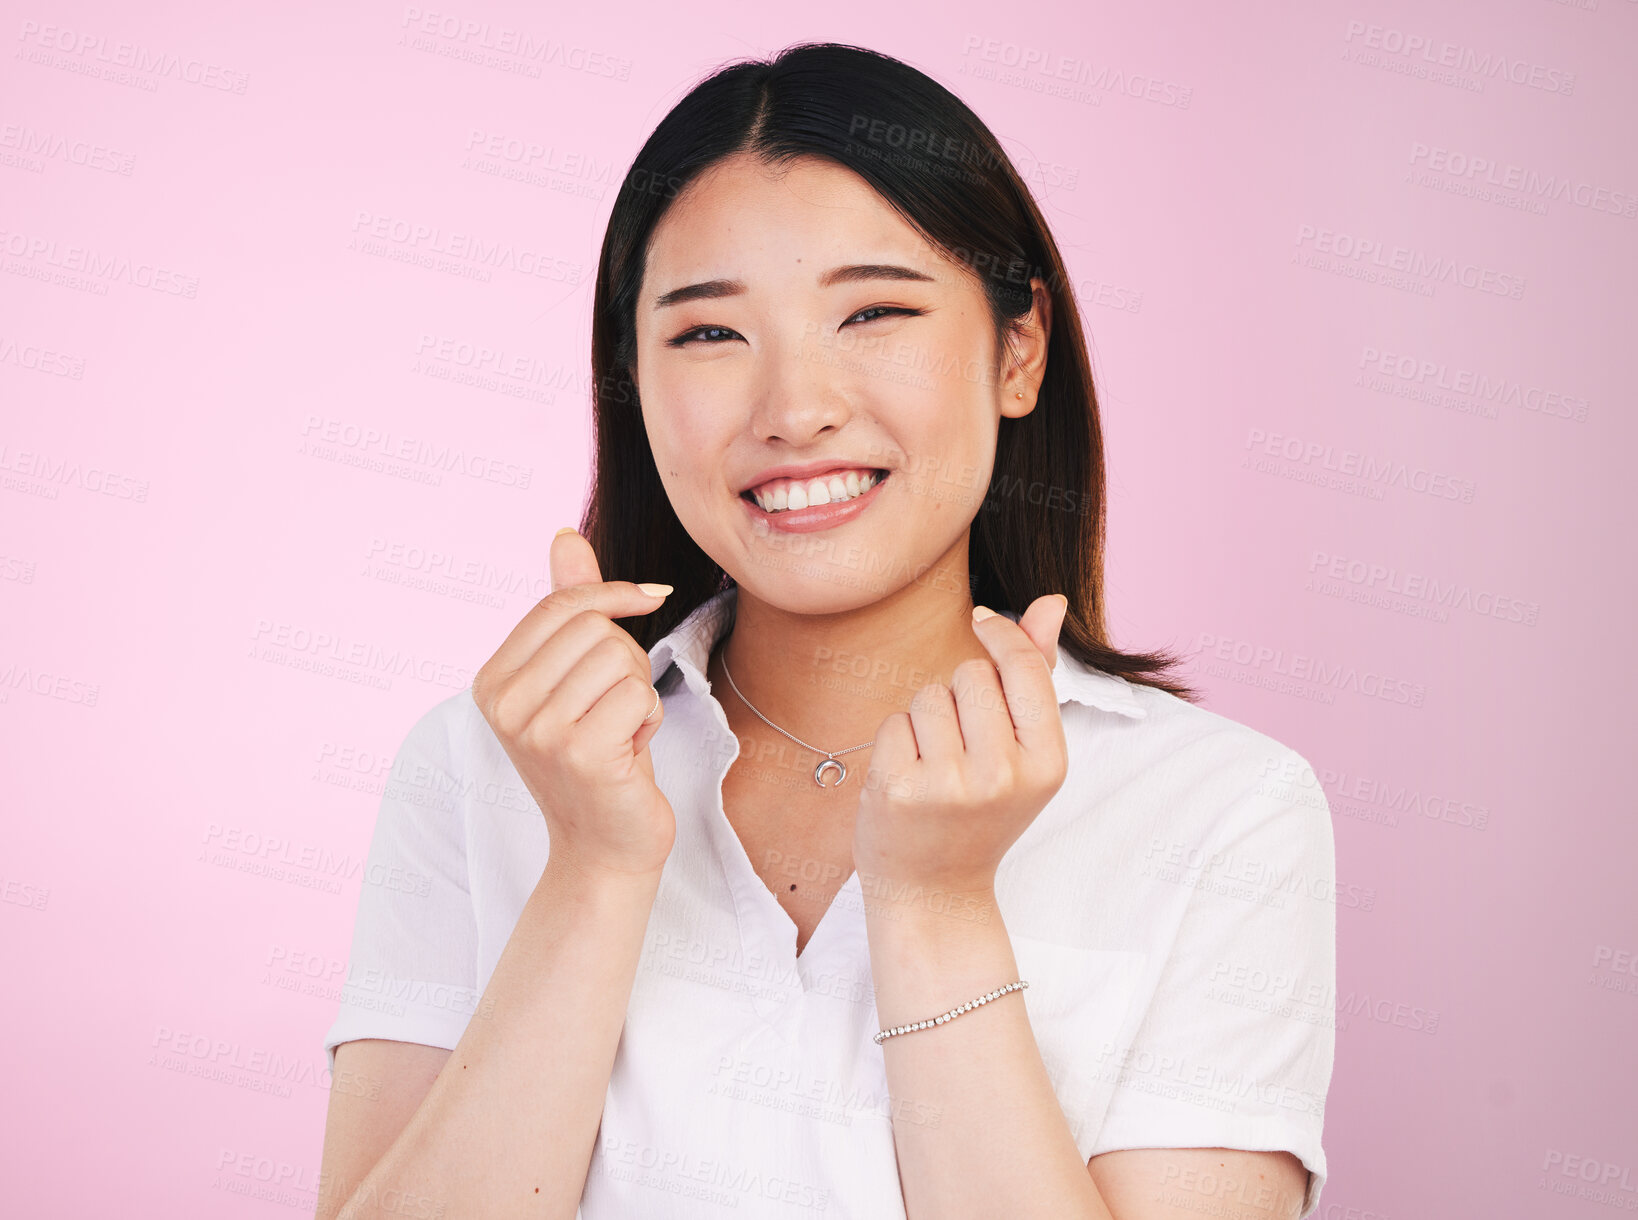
(573, 561)
(1043, 622)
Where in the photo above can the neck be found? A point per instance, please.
(831, 679)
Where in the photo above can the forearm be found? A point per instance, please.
(977, 1126)
(507, 1128)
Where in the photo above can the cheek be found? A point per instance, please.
(945, 413)
(948, 432)
(685, 434)
(667, 417)
(951, 371)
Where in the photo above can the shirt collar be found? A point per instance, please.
(690, 643)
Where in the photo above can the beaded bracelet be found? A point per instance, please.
(882, 1035)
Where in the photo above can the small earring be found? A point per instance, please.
(1019, 394)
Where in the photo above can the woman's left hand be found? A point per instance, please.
(954, 781)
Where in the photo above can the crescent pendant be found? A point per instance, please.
(829, 764)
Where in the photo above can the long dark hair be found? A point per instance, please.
(1040, 529)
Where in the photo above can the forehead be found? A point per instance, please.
(745, 216)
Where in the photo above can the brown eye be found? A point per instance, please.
(688, 336)
(883, 311)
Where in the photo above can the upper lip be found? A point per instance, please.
(805, 470)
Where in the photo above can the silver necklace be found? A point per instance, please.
(830, 763)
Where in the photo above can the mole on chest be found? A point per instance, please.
(800, 851)
(787, 861)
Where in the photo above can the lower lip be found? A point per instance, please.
(818, 517)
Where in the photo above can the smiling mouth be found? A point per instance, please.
(784, 495)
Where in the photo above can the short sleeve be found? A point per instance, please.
(1236, 1047)
(412, 971)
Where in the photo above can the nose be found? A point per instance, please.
(801, 392)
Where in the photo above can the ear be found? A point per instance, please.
(1021, 383)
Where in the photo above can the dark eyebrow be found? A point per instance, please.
(853, 273)
(709, 290)
(870, 271)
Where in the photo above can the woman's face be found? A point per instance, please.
(794, 319)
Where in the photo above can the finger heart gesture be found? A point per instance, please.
(958, 778)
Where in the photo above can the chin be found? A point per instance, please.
(816, 586)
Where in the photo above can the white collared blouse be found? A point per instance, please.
(1173, 908)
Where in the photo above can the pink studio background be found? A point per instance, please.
(222, 604)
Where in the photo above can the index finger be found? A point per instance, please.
(1026, 680)
(572, 560)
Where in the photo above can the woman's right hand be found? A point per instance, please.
(566, 695)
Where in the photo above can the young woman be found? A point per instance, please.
(842, 867)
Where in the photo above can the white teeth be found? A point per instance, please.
(829, 489)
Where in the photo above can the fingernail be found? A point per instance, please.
(980, 613)
(655, 590)
(567, 529)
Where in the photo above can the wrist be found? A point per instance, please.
(924, 960)
(568, 872)
(931, 905)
